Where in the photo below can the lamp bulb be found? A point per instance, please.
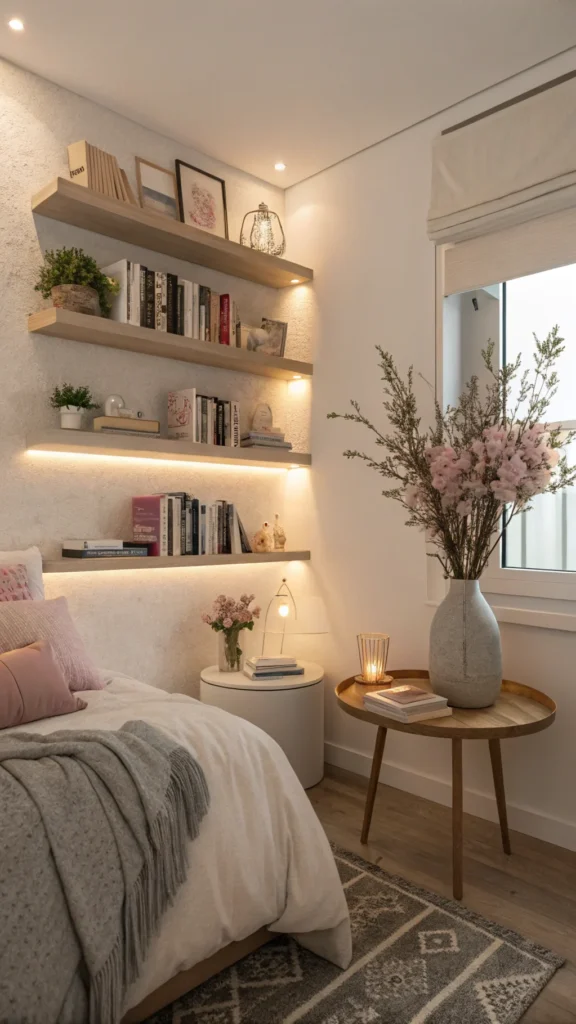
(283, 610)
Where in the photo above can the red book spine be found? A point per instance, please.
(146, 521)
(224, 319)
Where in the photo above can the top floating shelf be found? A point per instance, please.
(74, 204)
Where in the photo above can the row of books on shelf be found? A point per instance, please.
(203, 419)
(165, 302)
(272, 668)
(406, 704)
(177, 524)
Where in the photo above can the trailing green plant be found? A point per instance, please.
(80, 397)
(74, 266)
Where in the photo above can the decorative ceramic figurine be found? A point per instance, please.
(114, 406)
(279, 534)
(263, 539)
(262, 420)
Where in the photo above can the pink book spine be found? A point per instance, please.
(146, 521)
(224, 319)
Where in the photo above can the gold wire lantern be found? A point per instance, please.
(266, 233)
(373, 651)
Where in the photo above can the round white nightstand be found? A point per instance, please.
(290, 710)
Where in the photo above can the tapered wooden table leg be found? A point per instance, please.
(498, 775)
(457, 813)
(373, 784)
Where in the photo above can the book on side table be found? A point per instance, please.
(272, 668)
(407, 704)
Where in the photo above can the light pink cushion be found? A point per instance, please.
(33, 687)
(24, 622)
(14, 583)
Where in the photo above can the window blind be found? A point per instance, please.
(512, 166)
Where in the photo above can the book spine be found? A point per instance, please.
(143, 310)
(180, 309)
(163, 525)
(214, 318)
(246, 545)
(188, 526)
(204, 295)
(234, 424)
(195, 310)
(146, 521)
(135, 294)
(150, 300)
(202, 537)
(188, 310)
(195, 526)
(224, 319)
(171, 303)
(227, 425)
(157, 301)
(78, 163)
(220, 422)
(128, 292)
(129, 552)
(170, 525)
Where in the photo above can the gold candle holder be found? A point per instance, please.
(373, 651)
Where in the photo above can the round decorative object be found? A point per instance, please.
(262, 420)
(266, 232)
(263, 539)
(78, 298)
(113, 404)
(71, 417)
(465, 648)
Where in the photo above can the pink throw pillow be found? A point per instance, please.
(14, 583)
(33, 687)
(24, 622)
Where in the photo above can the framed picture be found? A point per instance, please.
(275, 342)
(156, 188)
(202, 199)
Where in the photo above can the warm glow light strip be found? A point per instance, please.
(172, 463)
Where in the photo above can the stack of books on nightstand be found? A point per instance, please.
(407, 704)
(272, 668)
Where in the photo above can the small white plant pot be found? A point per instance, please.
(71, 417)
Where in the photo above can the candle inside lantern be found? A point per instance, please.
(373, 651)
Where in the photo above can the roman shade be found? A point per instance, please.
(511, 166)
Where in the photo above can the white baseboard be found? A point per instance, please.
(523, 819)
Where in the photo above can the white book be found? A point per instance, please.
(434, 700)
(135, 294)
(234, 424)
(195, 310)
(421, 717)
(120, 272)
(92, 545)
(258, 662)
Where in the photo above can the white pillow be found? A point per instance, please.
(32, 560)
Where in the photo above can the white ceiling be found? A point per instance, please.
(308, 82)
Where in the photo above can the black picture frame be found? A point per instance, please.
(180, 164)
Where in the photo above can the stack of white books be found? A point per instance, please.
(407, 704)
(272, 668)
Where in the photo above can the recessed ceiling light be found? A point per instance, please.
(280, 166)
(16, 24)
(295, 280)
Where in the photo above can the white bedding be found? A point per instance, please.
(261, 857)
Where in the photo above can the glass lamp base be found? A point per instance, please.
(375, 682)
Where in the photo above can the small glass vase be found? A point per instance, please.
(230, 654)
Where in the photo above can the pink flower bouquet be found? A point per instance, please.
(229, 617)
(465, 479)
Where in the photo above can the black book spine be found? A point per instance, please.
(171, 302)
(170, 526)
(183, 550)
(143, 281)
(229, 514)
(150, 300)
(220, 422)
(205, 306)
(195, 526)
(180, 317)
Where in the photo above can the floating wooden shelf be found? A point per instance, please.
(73, 204)
(187, 561)
(96, 330)
(91, 442)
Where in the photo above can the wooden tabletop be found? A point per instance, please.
(518, 711)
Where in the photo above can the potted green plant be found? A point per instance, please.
(72, 402)
(74, 281)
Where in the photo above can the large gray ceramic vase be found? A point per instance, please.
(465, 649)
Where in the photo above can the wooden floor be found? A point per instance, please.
(533, 891)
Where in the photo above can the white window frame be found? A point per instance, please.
(536, 597)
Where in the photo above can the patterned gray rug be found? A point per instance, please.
(417, 958)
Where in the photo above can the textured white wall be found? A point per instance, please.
(362, 226)
(145, 623)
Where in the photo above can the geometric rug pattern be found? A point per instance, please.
(418, 959)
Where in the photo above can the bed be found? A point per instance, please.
(261, 864)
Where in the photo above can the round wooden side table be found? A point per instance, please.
(518, 711)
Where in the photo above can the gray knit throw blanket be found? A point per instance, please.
(94, 827)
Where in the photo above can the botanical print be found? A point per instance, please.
(202, 198)
(200, 207)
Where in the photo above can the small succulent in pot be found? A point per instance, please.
(72, 402)
(74, 281)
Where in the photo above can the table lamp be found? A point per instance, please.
(286, 617)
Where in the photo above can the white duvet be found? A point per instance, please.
(261, 857)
